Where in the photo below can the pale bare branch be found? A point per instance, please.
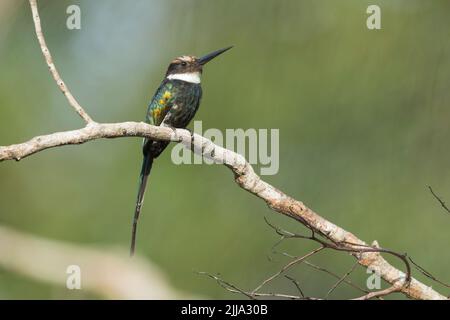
(247, 179)
(378, 294)
(51, 66)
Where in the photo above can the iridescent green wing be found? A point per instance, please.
(161, 103)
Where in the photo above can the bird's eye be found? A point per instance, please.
(183, 63)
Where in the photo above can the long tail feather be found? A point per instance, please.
(145, 171)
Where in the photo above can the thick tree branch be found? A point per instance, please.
(246, 178)
(90, 132)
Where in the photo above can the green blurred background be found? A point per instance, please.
(363, 118)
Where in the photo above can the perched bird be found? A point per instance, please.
(174, 104)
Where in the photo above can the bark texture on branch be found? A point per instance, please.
(245, 177)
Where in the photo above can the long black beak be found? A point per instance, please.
(203, 60)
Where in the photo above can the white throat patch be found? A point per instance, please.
(192, 77)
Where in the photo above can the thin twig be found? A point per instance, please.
(381, 293)
(284, 233)
(427, 274)
(49, 60)
(253, 295)
(297, 285)
(226, 285)
(439, 199)
(287, 266)
(316, 267)
(347, 281)
(345, 276)
(347, 246)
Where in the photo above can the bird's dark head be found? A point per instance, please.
(189, 68)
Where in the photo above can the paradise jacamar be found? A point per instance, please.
(174, 105)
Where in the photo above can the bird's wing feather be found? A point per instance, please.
(161, 103)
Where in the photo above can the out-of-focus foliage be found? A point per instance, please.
(363, 118)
